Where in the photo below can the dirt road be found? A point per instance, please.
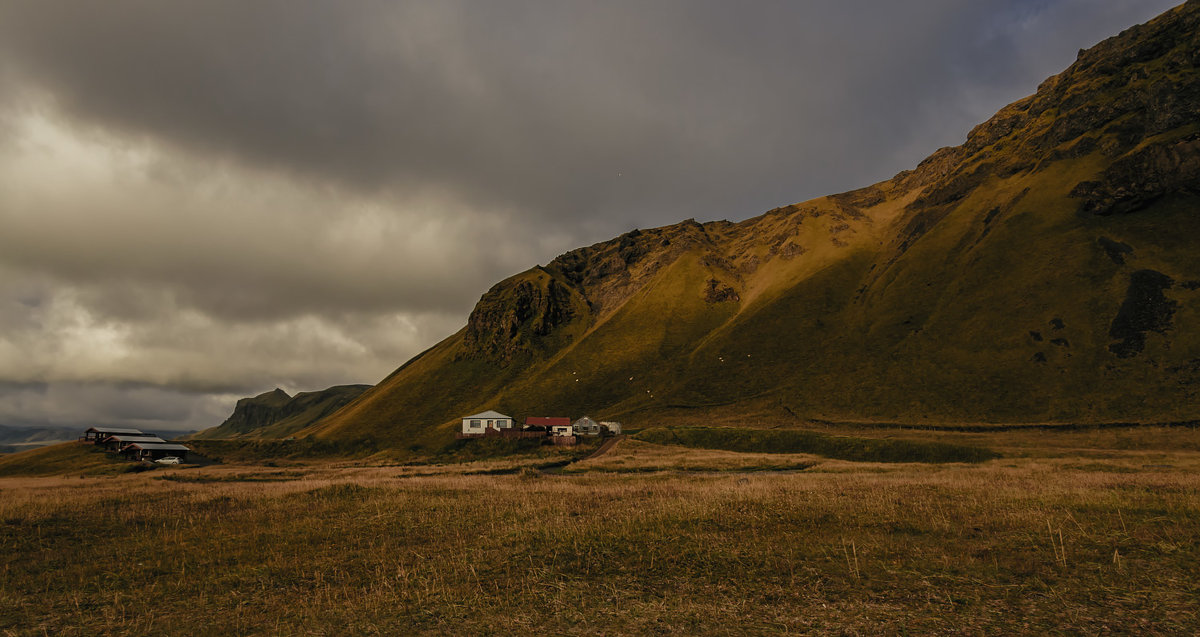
(606, 447)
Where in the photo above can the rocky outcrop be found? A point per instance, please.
(1142, 177)
(256, 412)
(606, 273)
(513, 314)
(1118, 93)
(717, 292)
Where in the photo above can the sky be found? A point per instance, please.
(201, 201)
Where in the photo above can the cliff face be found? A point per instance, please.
(514, 315)
(1044, 270)
(256, 412)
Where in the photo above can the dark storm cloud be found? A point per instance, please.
(212, 198)
(83, 405)
(712, 108)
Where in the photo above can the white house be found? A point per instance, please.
(561, 430)
(481, 422)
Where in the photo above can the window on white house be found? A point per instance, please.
(475, 423)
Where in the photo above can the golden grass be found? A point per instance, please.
(635, 456)
(705, 544)
(74, 457)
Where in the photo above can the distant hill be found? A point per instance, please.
(14, 439)
(1046, 270)
(275, 414)
(61, 458)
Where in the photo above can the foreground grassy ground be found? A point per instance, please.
(1066, 532)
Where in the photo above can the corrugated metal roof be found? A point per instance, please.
(159, 446)
(488, 414)
(115, 430)
(145, 438)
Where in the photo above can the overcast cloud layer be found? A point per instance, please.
(205, 200)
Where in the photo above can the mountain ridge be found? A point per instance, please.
(991, 283)
(277, 414)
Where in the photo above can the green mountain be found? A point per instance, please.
(275, 414)
(1046, 270)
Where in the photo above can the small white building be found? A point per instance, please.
(481, 422)
(561, 430)
(611, 427)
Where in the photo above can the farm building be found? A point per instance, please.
(610, 427)
(586, 427)
(116, 443)
(99, 434)
(544, 423)
(154, 450)
(481, 422)
(562, 433)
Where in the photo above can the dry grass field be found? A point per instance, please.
(1094, 532)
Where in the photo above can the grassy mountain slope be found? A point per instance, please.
(1042, 271)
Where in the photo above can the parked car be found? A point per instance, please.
(169, 460)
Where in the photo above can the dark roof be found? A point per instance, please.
(547, 421)
(117, 430)
(142, 438)
(158, 446)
